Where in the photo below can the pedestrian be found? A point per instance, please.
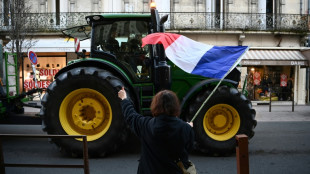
(2, 93)
(165, 139)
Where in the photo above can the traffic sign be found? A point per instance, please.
(77, 44)
(33, 57)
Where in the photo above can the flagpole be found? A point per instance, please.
(232, 67)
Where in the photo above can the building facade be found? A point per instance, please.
(276, 66)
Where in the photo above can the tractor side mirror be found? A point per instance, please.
(162, 21)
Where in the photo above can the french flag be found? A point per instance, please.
(195, 57)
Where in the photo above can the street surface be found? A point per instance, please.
(281, 145)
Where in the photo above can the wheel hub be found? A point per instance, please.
(88, 113)
(85, 112)
(221, 122)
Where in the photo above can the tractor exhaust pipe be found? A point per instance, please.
(162, 69)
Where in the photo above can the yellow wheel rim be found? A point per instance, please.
(221, 122)
(85, 112)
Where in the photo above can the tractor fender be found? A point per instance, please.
(201, 84)
(117, 70)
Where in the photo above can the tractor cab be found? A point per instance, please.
(118, 39)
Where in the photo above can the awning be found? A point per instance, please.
(275, 58)
(54, 45)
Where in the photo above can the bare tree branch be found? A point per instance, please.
(20, 30)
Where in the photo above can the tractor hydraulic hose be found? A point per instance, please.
(24, 94)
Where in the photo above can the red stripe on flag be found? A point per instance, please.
(160, 38)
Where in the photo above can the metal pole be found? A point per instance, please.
(2, 167)
(242, 154)
(85, 154)
(270, 101)
(293, 102)
(1, 59)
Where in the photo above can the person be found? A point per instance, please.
(165, 138)
(112, 43)
(290, 88)
(2, 93)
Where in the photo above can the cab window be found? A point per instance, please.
(124, 40)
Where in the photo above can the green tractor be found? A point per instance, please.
(83, 98)
(12, 102)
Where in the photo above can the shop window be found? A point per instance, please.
(96, 5)
(45, 71)
(72, 6)
(43, 6)
(270, 82)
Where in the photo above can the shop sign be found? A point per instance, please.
(44, 77)
(274, 62)
(248, 62)
(297, 63)
(256, 78)
(48, 72)
(283, 80)
(30, 84)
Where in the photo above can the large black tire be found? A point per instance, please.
(226, 114)
(83, 101)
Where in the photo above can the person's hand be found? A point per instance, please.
(190, 123)
(122, 94)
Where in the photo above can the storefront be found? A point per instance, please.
(278, 75)
(45, 70)
(53, 54)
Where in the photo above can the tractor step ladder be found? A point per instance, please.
(11, 74)
(146, 95)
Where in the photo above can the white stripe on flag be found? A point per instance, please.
(186, 53)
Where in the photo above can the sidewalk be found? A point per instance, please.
(279, 111)
(282, 113)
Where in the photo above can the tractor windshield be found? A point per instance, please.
(123, 39)
(81, 32)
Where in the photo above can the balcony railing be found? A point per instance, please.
(48, 22)
(239, 21)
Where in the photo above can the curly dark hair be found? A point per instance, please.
(165, 102)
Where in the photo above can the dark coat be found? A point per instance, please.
(164, 139)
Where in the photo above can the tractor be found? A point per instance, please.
(82, 100)
(12, 102)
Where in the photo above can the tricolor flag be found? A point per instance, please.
(195, 57)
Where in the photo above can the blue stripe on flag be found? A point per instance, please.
(217, 61)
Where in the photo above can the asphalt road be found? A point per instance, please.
(281, 145)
